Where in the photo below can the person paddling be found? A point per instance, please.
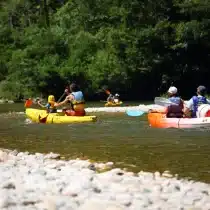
(176, 109)
(196, 101)
(114, 99)
(76, 99)
(110, 98)
(50, 106)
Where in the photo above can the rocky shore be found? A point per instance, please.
(6, 101)
(44, 181)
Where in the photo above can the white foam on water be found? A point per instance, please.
(28, 121)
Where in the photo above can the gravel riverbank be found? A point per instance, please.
(39, 181)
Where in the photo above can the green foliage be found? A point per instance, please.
(129, 46)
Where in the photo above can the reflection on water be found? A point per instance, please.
(128, 141)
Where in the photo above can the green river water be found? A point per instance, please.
(127, 141)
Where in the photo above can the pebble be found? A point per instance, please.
(52, 156)
(3, 156)
(42, 181)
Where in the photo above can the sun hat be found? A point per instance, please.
(172, 90)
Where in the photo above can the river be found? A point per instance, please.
(127, 141)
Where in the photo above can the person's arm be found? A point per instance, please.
(68, 98)
(189, 106)
(38, 102)
(47, 105)
(109, 97)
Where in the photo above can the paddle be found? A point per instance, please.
(107, 92)
(134, 113)
(163, 101)
(61, 97)
(29, 101)
(43, 119)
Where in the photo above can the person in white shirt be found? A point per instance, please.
(192, 105)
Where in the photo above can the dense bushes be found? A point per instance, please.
(137, 48)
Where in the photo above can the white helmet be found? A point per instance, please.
(117, 95)
(172, 90)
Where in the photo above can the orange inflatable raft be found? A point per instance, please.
(159, 120)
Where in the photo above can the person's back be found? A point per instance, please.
(78, 102)
(196, 101)
(76, 98)
(175, 99)
(174, 110)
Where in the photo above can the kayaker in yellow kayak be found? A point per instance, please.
(114, 99)
(50, 106)
(76, 99)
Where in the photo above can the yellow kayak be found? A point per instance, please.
(113, 104)
(41, 116)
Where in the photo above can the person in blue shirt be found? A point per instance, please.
(76, 100)
(176, 109)
(193, 104)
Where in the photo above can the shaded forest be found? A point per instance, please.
(136, 48)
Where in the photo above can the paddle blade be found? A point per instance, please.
(163, 101)
(107, 92)
(134, 113)
(65, 92)
(28, 103)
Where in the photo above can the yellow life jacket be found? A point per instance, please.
(78, 104)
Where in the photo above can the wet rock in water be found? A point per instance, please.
(81, 164)
(101, 166)
(52, 156)
(11, 102)
(167, 174)
(109, 164)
